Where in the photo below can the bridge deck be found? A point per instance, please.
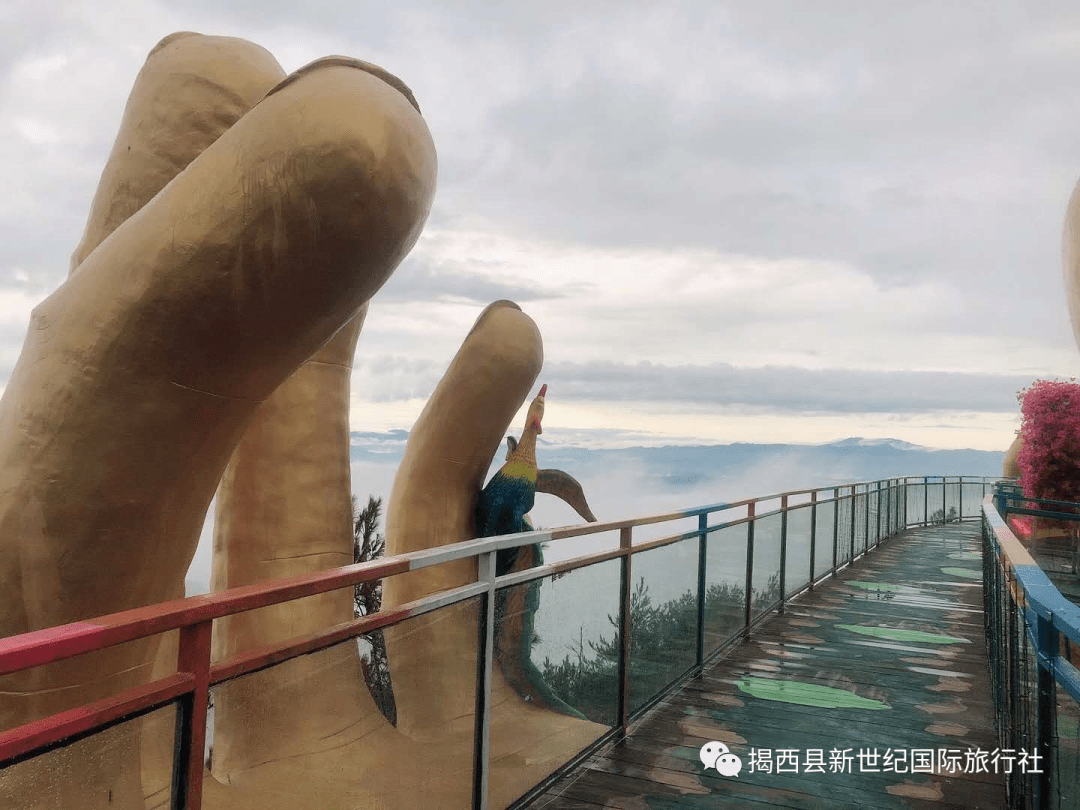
(888, 655)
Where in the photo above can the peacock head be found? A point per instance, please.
(536, 412)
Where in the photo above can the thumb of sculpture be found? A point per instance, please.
(290, 206)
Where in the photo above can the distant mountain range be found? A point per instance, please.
(676, 467)
(637, 480)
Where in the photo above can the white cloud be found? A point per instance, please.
(694, 185)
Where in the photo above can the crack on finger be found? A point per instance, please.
(212, 394)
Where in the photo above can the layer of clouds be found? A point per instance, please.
(776, 388)
(623, 477)
(838, 208)
(789, 388)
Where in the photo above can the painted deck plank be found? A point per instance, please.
(889, 654)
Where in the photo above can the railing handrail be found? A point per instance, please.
(193, 616)
(1041, 600)
(52, 644)
(1021, 497)
(1026, 617)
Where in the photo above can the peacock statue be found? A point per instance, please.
(502, 508)
(511, 492)
(504, 503)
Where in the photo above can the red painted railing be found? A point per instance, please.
(193, 617)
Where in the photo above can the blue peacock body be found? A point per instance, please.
(501, 509)
(511, 492)
(503, 504)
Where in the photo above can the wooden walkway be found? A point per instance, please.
(889, 656)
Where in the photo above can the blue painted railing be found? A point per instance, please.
(1033, 636)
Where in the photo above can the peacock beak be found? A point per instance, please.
(539, 403)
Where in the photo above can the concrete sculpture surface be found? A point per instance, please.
(1070, 250)
(242, 223)
(1009, 466)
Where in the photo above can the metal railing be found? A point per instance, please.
(1009, 499)
(788, 543)
(1032, 637)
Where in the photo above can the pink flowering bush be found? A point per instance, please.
(1049, 458)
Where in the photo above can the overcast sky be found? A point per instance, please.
(763, 221)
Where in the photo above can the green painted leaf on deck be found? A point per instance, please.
(873, 586)
(807, 694)
(969, 573)
(895, 634)
(1068, 728)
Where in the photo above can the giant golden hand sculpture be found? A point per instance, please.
(205, 335)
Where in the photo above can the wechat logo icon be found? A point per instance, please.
(716, 755)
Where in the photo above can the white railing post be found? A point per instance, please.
(482, 746)
(625, 587)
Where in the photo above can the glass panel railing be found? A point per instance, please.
(663, 619)
(574, 647)
(861, 523)
(1065, 756)
(881, 504)
(1024, 697)
(99, 770)
(430, 659)
(725, 590)
(158, 750)
(555, 677)
(971, 494)
(896, 507)
(872, 528)
(824, 535)
(765, 586)
(916, 501)
(845, 526)
(879, 508)
(797, 568)
(870, 516)
(935, 499)
(1022, 730)
(317, 712)
(952, 500)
